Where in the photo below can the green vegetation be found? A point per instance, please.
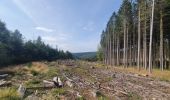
(34, 73)
(29, 64)
(32, 83)
(52, 72)
(101, 96)
(59, 91)
(9, 94)
(100, 54)
(133, 96)
(89, 56)
(14, 50)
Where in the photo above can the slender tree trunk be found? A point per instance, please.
(110, 50)
(161, 41)
(151, 33)
(145, 40)
(104, 56)
(124, 51)
(107, 50)
(118, 44)
(134, 46)
(139, 38)
(168, 54)
(127, 47)
(130, 53)
(145, 47)
(113, 49)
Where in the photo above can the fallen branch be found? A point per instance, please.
(4, 83)
(4, 75)
(55, 83)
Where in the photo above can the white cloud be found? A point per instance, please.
(49, 39)
(60, 40)
(89, 26)
(44, 29)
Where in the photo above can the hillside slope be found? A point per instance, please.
(84, 55)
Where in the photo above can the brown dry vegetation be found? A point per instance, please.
(91, 81)
(156, 73)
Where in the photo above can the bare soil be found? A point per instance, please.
(91, 81)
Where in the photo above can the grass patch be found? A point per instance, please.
(156, 73)
(133, 96)
(101, 96)
(58, 91)
(52, 72)
(107, 79)
(34, 73)
(80, 98)
(9, 94)
(32, 83)
(29, 65)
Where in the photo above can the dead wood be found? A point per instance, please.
(5, 83)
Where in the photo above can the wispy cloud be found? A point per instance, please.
(19, 4)
(44, 29)
(89, 26)
(60, 40)
(49, 39)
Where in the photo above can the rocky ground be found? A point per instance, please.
(83, 80)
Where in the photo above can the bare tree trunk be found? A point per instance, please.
(134, 45)
(107, 50)
(145, 47)
(151, 33)
(168, 54)
(110, 50)
(105, 62)
(118, 44)
(145, 40)
(161, 41)
(124, 51)
(139, 39)
(127, 48)
(130, 53)
(113, 50)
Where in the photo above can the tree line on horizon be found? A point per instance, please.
(14, 50)
(138, 35)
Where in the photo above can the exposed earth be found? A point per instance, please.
(83, 81)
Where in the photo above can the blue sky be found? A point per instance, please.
(73, 25)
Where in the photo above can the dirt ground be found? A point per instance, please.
(90, 81)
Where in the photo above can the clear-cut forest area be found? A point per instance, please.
(132, 61)
(82, 80)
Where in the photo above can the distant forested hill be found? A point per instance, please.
(84, 55)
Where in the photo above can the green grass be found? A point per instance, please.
(33, 83)
(58, 91)
(9, 94)
(80, 98)
(52, 72)
(101, 96)
(29, 65)
(34, 73)
(133, 96)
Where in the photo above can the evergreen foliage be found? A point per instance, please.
(14, 50)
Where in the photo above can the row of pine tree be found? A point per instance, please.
(138, 35)
(14, 50)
